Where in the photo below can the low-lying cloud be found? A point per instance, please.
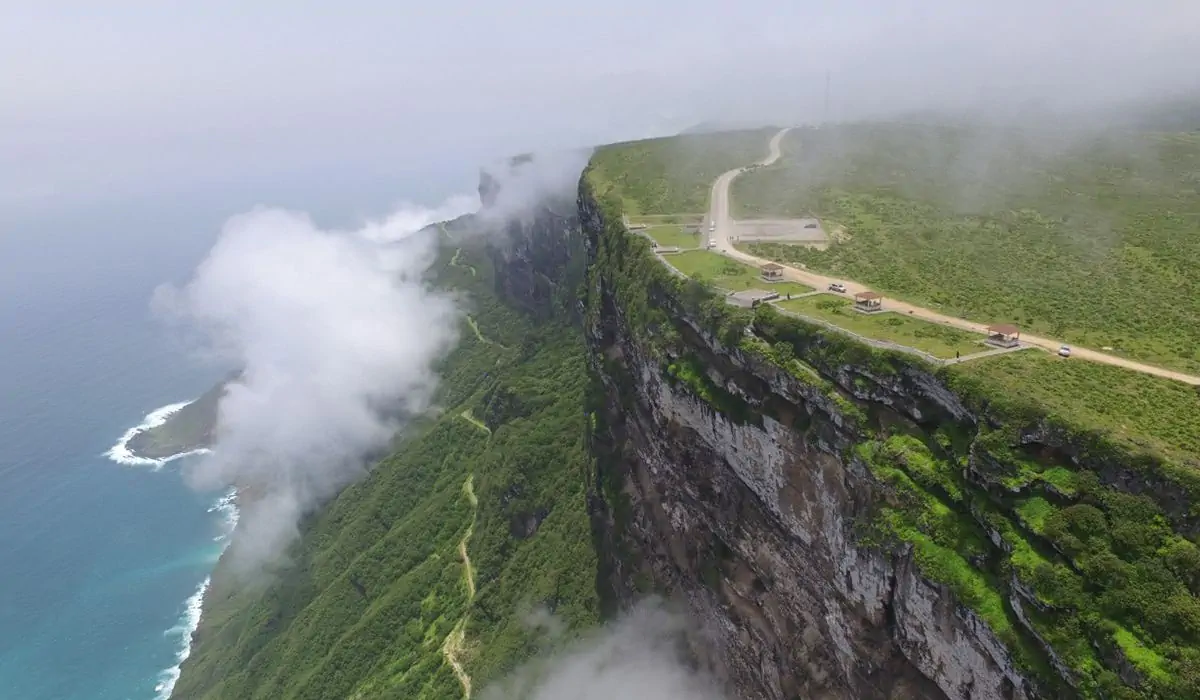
(523, 183)
(336, 332)
(638, 657)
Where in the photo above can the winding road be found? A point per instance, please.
(455, 644)
(725, 225)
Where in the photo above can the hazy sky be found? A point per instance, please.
(109, 98)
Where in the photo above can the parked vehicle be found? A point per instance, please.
(837, 287)
(712, 226)
(1064, 351)
(811, 224)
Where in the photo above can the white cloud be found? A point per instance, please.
(638, 657)
(337, 332)
(148, 98)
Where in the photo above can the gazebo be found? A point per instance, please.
(1004, 335)
(772, 272)
(868, 302)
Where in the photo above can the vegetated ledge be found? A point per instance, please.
(1073, 550)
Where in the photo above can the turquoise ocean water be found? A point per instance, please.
(100, 563)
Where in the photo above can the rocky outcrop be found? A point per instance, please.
(536, 247)
(754, 525)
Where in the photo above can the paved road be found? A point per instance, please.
(725, 226)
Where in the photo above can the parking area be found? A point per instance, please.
(800, 231)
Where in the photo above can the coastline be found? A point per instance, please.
(121, 454)
(193, 610)
(225, 507)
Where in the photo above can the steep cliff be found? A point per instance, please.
(849, 523)
(843, 522)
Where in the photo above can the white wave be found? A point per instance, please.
(188, 624)
(121, 454)
(226, 506)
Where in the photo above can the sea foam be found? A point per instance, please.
(121, 454)
(226, 506)
(187, 625)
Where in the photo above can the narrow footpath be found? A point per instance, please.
(725, 225)
(455, 644)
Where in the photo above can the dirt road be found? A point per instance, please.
(455, 644)
(725, 225)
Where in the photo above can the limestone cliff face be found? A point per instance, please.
(763, 497)
(754, 525)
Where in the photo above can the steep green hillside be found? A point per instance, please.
(377, 602)
(1092, 239)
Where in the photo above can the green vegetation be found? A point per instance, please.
(674, 235)
(190, 428)
(939, 341)
(1107, 570)
(942, 539)
(1112, 582)
(664, 219)
(1095, 241)
(725, 273)
(673, 175)
(375, 585)
(1140, 412)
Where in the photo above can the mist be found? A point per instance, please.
(141, 101)
(639, 656)
(337, 334)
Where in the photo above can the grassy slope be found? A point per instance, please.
(675, 235)
(936, 340)
(376, 583)
(727, 274)
(1097, 242)
(1147, 413)
(674, 175)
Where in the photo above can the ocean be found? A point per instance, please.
(103, 564)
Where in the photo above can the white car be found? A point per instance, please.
(1064, 351)
(712, 226)
(837, 287)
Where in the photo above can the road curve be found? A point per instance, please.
(725, 225)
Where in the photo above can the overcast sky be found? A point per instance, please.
(112, 97)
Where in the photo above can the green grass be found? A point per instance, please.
(1033, 513)
(674, 235)
(374, 584)
(1147, 661)
(663, 219)
(1096, 241)
(1064, 481)
(673, 175)
(1158, 415)
(728, 274)
(923, 466)
(932, 338)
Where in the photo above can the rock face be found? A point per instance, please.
(844, 522)
(754, 524)
(538, 254)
